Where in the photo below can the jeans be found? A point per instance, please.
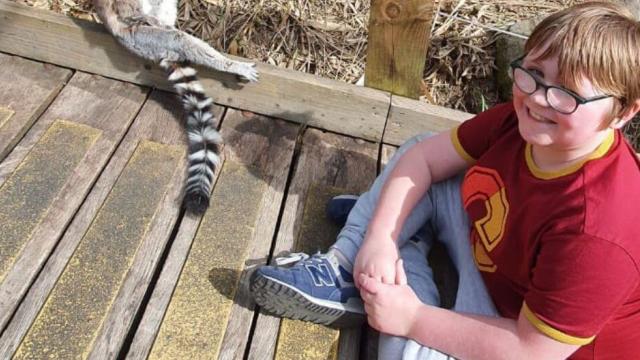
(439, 215)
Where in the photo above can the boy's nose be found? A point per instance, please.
(540, 97)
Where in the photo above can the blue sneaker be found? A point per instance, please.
(339, 207)
(316, 289)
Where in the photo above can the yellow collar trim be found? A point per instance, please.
(546, 175)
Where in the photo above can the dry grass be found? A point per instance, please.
(329, 38)
(460, 64)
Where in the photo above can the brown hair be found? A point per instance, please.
(599, 41)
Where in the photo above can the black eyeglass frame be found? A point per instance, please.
(517, 64)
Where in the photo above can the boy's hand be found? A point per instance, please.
(391, 309)
(376, 259)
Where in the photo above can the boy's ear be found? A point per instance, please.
(627, 115)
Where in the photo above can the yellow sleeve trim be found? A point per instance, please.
(459, 149)
(551, 332)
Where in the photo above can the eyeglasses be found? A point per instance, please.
(560, 99)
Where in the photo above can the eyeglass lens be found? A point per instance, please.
(557, 98)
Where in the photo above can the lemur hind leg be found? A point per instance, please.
(205, 55)
(135, 22)
(189, 48)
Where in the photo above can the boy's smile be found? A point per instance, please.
(557, 139)
(539, 117)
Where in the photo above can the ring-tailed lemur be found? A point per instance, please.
(147, 28)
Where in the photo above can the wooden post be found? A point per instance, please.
(399, 33)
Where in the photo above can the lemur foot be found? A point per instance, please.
(246, 71)
(142, 20)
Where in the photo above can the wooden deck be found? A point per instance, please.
(98, 261)
(96, 258)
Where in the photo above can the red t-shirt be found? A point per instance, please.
(563, 247)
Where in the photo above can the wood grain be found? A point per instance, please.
(27, 90)
(399, 35)
(158, 123)
(79, 303)
(90, 102)
(28, 193)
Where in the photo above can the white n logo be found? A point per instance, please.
(321, 274)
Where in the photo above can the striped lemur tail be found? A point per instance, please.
(147, 29)
(204, 140)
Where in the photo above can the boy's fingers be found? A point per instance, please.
(368, 284)
(401, 276)
(364, 282)
(365, 295)
(388, 279)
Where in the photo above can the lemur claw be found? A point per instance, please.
(142, 20)
(248, 71)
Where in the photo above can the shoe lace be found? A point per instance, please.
(293, 258)
(290, 258)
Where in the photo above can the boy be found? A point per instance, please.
(551, 199)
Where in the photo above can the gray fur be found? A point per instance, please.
(147, 29)
(153, 35)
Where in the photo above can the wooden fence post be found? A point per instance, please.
(399, 32)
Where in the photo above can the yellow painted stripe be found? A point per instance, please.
(551, 332)
(458, 146)
(304, 340)
(547, 175)
(195, 321)
(73, 314)
(30, 190)
(5, 115)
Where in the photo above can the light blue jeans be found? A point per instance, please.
(439, 215)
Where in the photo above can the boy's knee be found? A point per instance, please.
(391, 347)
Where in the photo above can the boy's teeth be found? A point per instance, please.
(537, 117)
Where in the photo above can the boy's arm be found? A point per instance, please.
(431, 160)
(396, 310)
(466, 336)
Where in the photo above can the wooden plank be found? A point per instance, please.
(77, 306)
(399, 35)
(409, 117)
(200, 305)
(27, 90)
(325, 160)
(238, 228)
(386, 154)
(281, 93)
(49, 164)
(86, 102)
(164, 124)
(5, 115)
(156, 122)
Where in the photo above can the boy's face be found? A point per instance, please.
(541, 125)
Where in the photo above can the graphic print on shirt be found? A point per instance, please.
(485, 199)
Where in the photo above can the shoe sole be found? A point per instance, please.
(283, 300)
